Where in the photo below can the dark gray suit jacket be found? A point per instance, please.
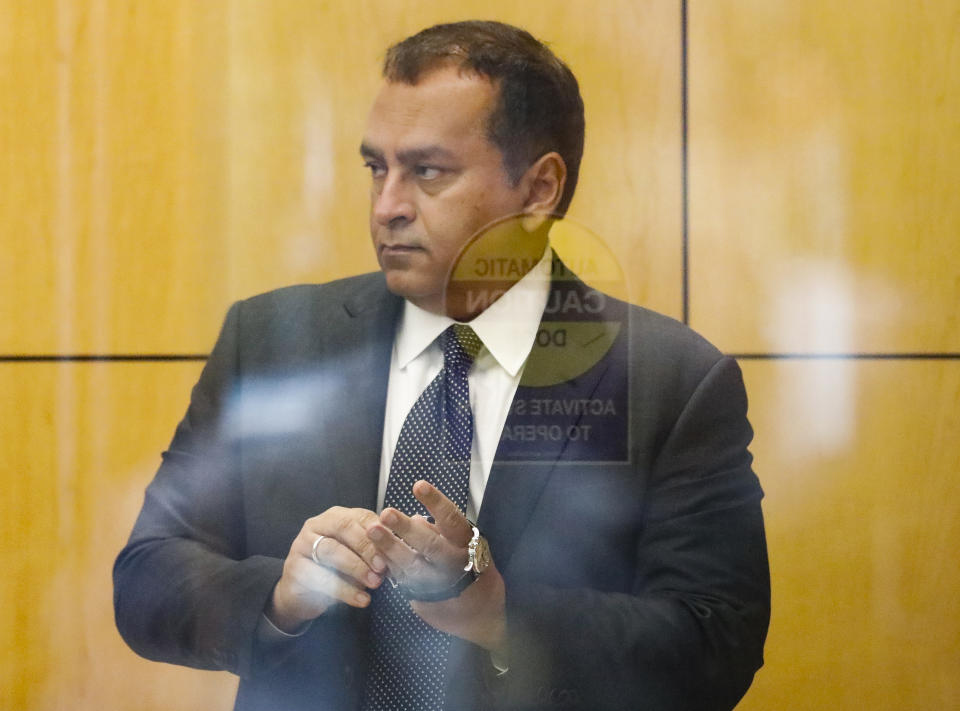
(622, 510)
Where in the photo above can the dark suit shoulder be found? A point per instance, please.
(301, 322)
(670, 336)
(668, 356)
(351, 294)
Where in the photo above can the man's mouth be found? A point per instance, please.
(399, 248)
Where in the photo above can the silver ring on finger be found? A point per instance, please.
(313, 553)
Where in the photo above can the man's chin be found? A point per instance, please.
(426, 296)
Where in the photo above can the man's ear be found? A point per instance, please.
(544, 180)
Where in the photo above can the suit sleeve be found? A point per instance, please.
(689, 634)
(185, 591)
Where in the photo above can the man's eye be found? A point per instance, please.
(426, 172)
(376, 169)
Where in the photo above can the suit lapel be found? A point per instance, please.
(514, 487)
(546, 425)
(369, 326)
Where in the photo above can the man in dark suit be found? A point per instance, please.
(618, 557)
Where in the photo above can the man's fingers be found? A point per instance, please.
(348, 527)
(315, 579)
(420, 535)
(348, 564)
(411, 529)
(419, 553)
(399, 555)
(453, 525)
(334, 555)
(306, 590)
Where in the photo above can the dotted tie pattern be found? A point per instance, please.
(408, 657)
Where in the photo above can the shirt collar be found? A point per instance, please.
(507, 327)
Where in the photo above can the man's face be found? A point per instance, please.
(437, 179)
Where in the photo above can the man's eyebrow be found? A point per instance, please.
(426, 153)
(410, 155)
(370, 152)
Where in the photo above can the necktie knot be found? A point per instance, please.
(460, 346)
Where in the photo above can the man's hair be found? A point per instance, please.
(539, 108)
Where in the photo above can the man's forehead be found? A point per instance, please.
(443, 101)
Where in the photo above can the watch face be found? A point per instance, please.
(482, 555)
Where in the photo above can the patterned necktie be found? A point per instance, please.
(408, 657)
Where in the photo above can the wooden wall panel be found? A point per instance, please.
(859, 462)
(112, 216)
(823, 175)
(80, 444)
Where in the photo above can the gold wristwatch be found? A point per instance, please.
(478, 553)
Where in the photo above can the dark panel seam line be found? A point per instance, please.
(845, 356)
(684, 165)
(96, 358)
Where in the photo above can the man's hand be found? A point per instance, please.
(350, 564)
(431, 556)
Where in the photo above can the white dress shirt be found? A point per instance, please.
(507, 328)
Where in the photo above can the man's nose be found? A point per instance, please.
(393, 204)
